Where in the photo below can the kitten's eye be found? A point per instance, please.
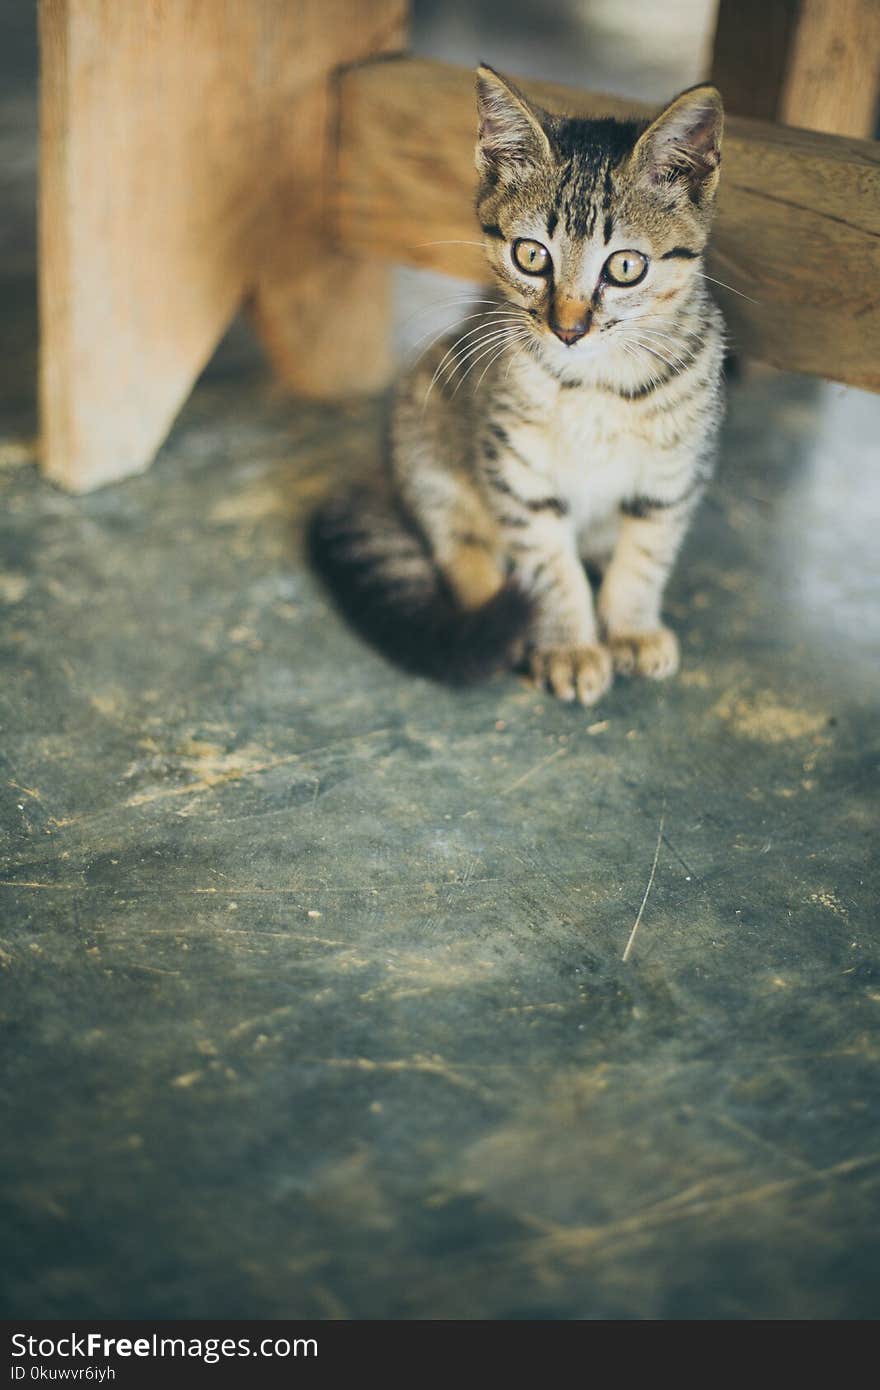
(532, 257)
(625, 268)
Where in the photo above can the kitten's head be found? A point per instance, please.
(594, 227)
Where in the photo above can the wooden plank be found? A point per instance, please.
(807, 63)
(798, 226)
(167, 157)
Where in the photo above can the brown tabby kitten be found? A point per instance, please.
(588, 435)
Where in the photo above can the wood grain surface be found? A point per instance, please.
(176, 139)
(806, 63)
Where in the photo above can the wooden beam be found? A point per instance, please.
(806, 63)
(185, 149)
(798, 227)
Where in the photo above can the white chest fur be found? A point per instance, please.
(601, 453)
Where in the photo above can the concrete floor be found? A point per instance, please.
(312, 994)
(311, 991)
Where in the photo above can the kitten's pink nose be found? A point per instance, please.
(569, 335)
(570, 320)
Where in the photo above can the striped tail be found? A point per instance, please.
(379, 571)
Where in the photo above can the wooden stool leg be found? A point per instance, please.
(805, 63)
(328, 333)
(834, 76)
(323, 314)
(161, 144)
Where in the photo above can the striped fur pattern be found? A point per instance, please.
(570, 424)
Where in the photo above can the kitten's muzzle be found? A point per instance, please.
(570, 320)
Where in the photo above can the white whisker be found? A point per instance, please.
(458, 343)
(646, 347)
(663, 341)
(637, 341)
(651, 336)
(493, 347)
(476, 351)
(451, 353)
(438, 334)
(459, 357)
(488, 316)
(449, 304)
(725, 286)
(489, 340)
(419, 245)
(520, 352)
(653, 378)
(503, 348)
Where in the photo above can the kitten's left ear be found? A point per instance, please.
(683, 145)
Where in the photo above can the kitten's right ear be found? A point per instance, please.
(511, 133)
(682, 147)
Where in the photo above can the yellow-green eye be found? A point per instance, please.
(625, 268)
(532, 257)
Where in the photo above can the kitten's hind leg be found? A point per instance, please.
(461, 535)
(472, 568)
(377, 562)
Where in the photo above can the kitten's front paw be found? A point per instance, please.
(582, 673)
(653, 654)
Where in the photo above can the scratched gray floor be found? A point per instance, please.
(311, 991)
(312, 995)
